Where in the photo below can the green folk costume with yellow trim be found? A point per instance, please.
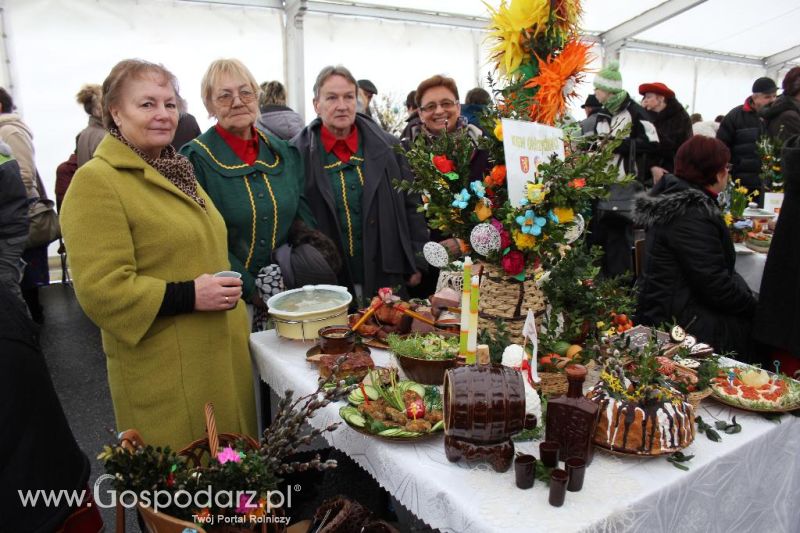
(258, 202)
(347, 184)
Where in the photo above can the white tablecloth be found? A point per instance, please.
(750, 265)
(748, 482)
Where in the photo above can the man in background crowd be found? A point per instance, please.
(740, 130)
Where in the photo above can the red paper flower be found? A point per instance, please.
(513, 262)
(577, 183)
(443, 164)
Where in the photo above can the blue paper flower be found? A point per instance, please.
(478, 188)
(461, 199)
(530, 223)
(552, 216)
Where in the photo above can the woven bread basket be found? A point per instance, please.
(507, 299)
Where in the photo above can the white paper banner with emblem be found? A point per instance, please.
(773, 202)
(526, 145)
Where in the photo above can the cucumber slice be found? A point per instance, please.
(372, 392)
(391, 432)
(352, 416)
(355, 397)
(437, 426)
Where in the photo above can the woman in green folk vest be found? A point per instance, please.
(254, 179)
(143, 241)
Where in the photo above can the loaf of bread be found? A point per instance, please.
(355, 364)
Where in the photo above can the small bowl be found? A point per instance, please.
(427, 372)
(337, 340)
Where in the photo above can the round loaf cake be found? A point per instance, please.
(651, 427)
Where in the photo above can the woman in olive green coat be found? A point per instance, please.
(143, 239)
(255, 180)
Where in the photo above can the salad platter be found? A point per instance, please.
(755, 389)
(400, 410)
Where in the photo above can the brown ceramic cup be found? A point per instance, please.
(576, 468)
(525, 470)
(548, 452)
(558, 487)
(530, 421)
(336, 340)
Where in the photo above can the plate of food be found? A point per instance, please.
(401, 410)
(398, 317)
(755, 389)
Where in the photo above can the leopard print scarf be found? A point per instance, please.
(170, 164)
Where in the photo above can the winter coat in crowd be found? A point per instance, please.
(88, 139)
(782, 117)
(674, 127)
(39, 451)
(778, 313)
(589, 124)
(413, 123)
(280, 121)
(740, 130)
(473, 112)
(129, 232)
(688, 273)
(64, 174)
(13, 200)
(19, 138)
(635, 150)
(393, 231)
(187, 130)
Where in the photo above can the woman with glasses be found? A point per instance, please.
(687, 274)
(439, 112)
(254, 179)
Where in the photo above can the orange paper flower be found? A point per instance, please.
(555, 81)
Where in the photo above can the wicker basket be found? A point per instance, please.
(696, 397)
(450, 279)
(196, 453)
(553, 383)
(508, 299)
(556, 384)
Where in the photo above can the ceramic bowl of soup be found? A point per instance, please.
(301, 313)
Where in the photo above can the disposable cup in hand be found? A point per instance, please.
(228, 274)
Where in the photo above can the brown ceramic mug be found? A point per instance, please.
(337, 340)
(576, 468)
(548, 453)
(525, 470)
(558, 487)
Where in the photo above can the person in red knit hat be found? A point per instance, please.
(673, 124)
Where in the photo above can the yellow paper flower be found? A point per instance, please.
(483, 210)
(564, 214)
(536, 193)
(524, 241)
(498, 129)
(728, 219)
(510, 26)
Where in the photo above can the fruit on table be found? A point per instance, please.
(561, 347)
(573, 351)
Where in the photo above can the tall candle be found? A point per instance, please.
(472, 335)
(466, 288)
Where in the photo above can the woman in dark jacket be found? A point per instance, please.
(688, 273)
(779, 298)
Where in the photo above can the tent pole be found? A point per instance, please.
(293, 55)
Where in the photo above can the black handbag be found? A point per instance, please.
(620, 201)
